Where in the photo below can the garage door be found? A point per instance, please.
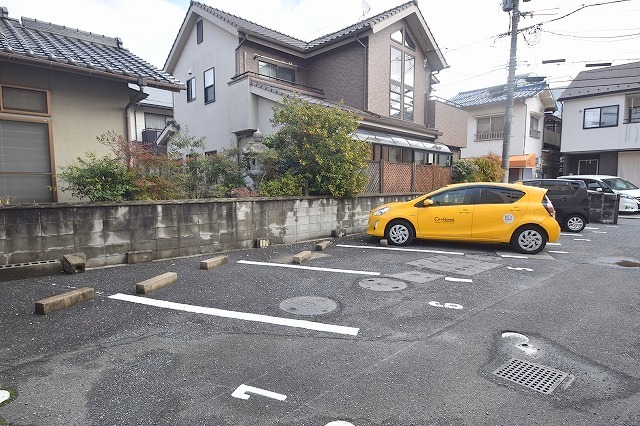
(25, 162)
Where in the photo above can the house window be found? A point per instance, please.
(199, 31)
(488, 128)
(155, 121)
(395, 154)
(403, 37)
(601, 117)
(24, 100)
(634, 115)
(402, 81)
(209, 86)
(534, 125)
(191, 89)
(275, 71)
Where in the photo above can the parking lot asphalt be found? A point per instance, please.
(360, 334)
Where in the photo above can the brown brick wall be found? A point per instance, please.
(452, 122)
(340, 73)
(246, 61)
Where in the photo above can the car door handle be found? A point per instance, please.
(465, 211)
(516, 209)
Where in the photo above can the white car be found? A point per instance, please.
(629, 193)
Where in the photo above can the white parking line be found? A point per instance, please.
(554, 244)
(589, 227)
(558, 251)
(571, 234)
(599, 232)
(514, 256)
(401, 249)
(581, 239)
(310, 268)
(460, 280)
(520, 269)
(287, 322)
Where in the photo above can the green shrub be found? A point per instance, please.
(284, 186)
(99, 179)
(489, 168)
(464, 170)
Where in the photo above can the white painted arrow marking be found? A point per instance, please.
(520, 269)
(4, 395)
(242, 390)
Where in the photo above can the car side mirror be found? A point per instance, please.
(427, 202)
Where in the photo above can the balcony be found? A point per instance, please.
(487, 136)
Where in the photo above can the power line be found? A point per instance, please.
(595, 38)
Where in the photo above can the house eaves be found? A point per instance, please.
(604, 81)
(296, 47)
(497, 95)
(42, 44)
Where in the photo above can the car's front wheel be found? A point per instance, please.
(399, 233)
(529, 240)
(574, 223)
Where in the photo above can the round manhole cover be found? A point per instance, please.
(382, 284)
(308, 305)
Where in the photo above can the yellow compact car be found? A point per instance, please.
(482, 211)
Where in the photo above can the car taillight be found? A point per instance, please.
(546, 202)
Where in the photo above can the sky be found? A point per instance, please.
(467, 32)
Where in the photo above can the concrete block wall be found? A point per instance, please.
(105, 232)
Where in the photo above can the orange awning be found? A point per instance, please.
(522, 161)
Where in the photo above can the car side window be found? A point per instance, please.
(557, 188)
(499, 196)
(453, 197)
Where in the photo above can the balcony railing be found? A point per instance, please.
(631, 121)
(534, 133)
(487, 136)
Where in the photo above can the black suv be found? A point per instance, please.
(570, 199)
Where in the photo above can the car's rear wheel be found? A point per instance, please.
(529, 239)
(574, 223)
(399, 233)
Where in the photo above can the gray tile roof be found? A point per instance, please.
(157, 97)
(42, 43)
(248, 26)
(615, 79)
(498, 94)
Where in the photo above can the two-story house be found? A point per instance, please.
(60, 89)
(533, 145)
(601, 122)
(381, 68)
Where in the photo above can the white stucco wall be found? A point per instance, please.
(520, 143)
(577, 139)
(209, 120)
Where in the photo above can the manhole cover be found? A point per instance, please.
(628, 264)
(382, 284)
(308, 305)
(534, 376)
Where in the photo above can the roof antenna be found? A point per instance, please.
(365, 9)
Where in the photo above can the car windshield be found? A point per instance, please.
(619, 184)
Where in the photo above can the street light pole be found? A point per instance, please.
(511, 86)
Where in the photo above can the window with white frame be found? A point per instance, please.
(634, 115)
(402, 82)
(534, 126)
(488, 128)
(601, 117)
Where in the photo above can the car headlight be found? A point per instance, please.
(381, 211)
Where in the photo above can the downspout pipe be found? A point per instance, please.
(140, 95)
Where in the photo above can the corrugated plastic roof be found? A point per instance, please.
(618, 78)
(74, 50)
(498, 94)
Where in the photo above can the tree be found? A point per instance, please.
(315, 143)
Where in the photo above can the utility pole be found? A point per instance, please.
(511, 85)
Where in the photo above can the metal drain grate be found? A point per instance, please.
(534, 376)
